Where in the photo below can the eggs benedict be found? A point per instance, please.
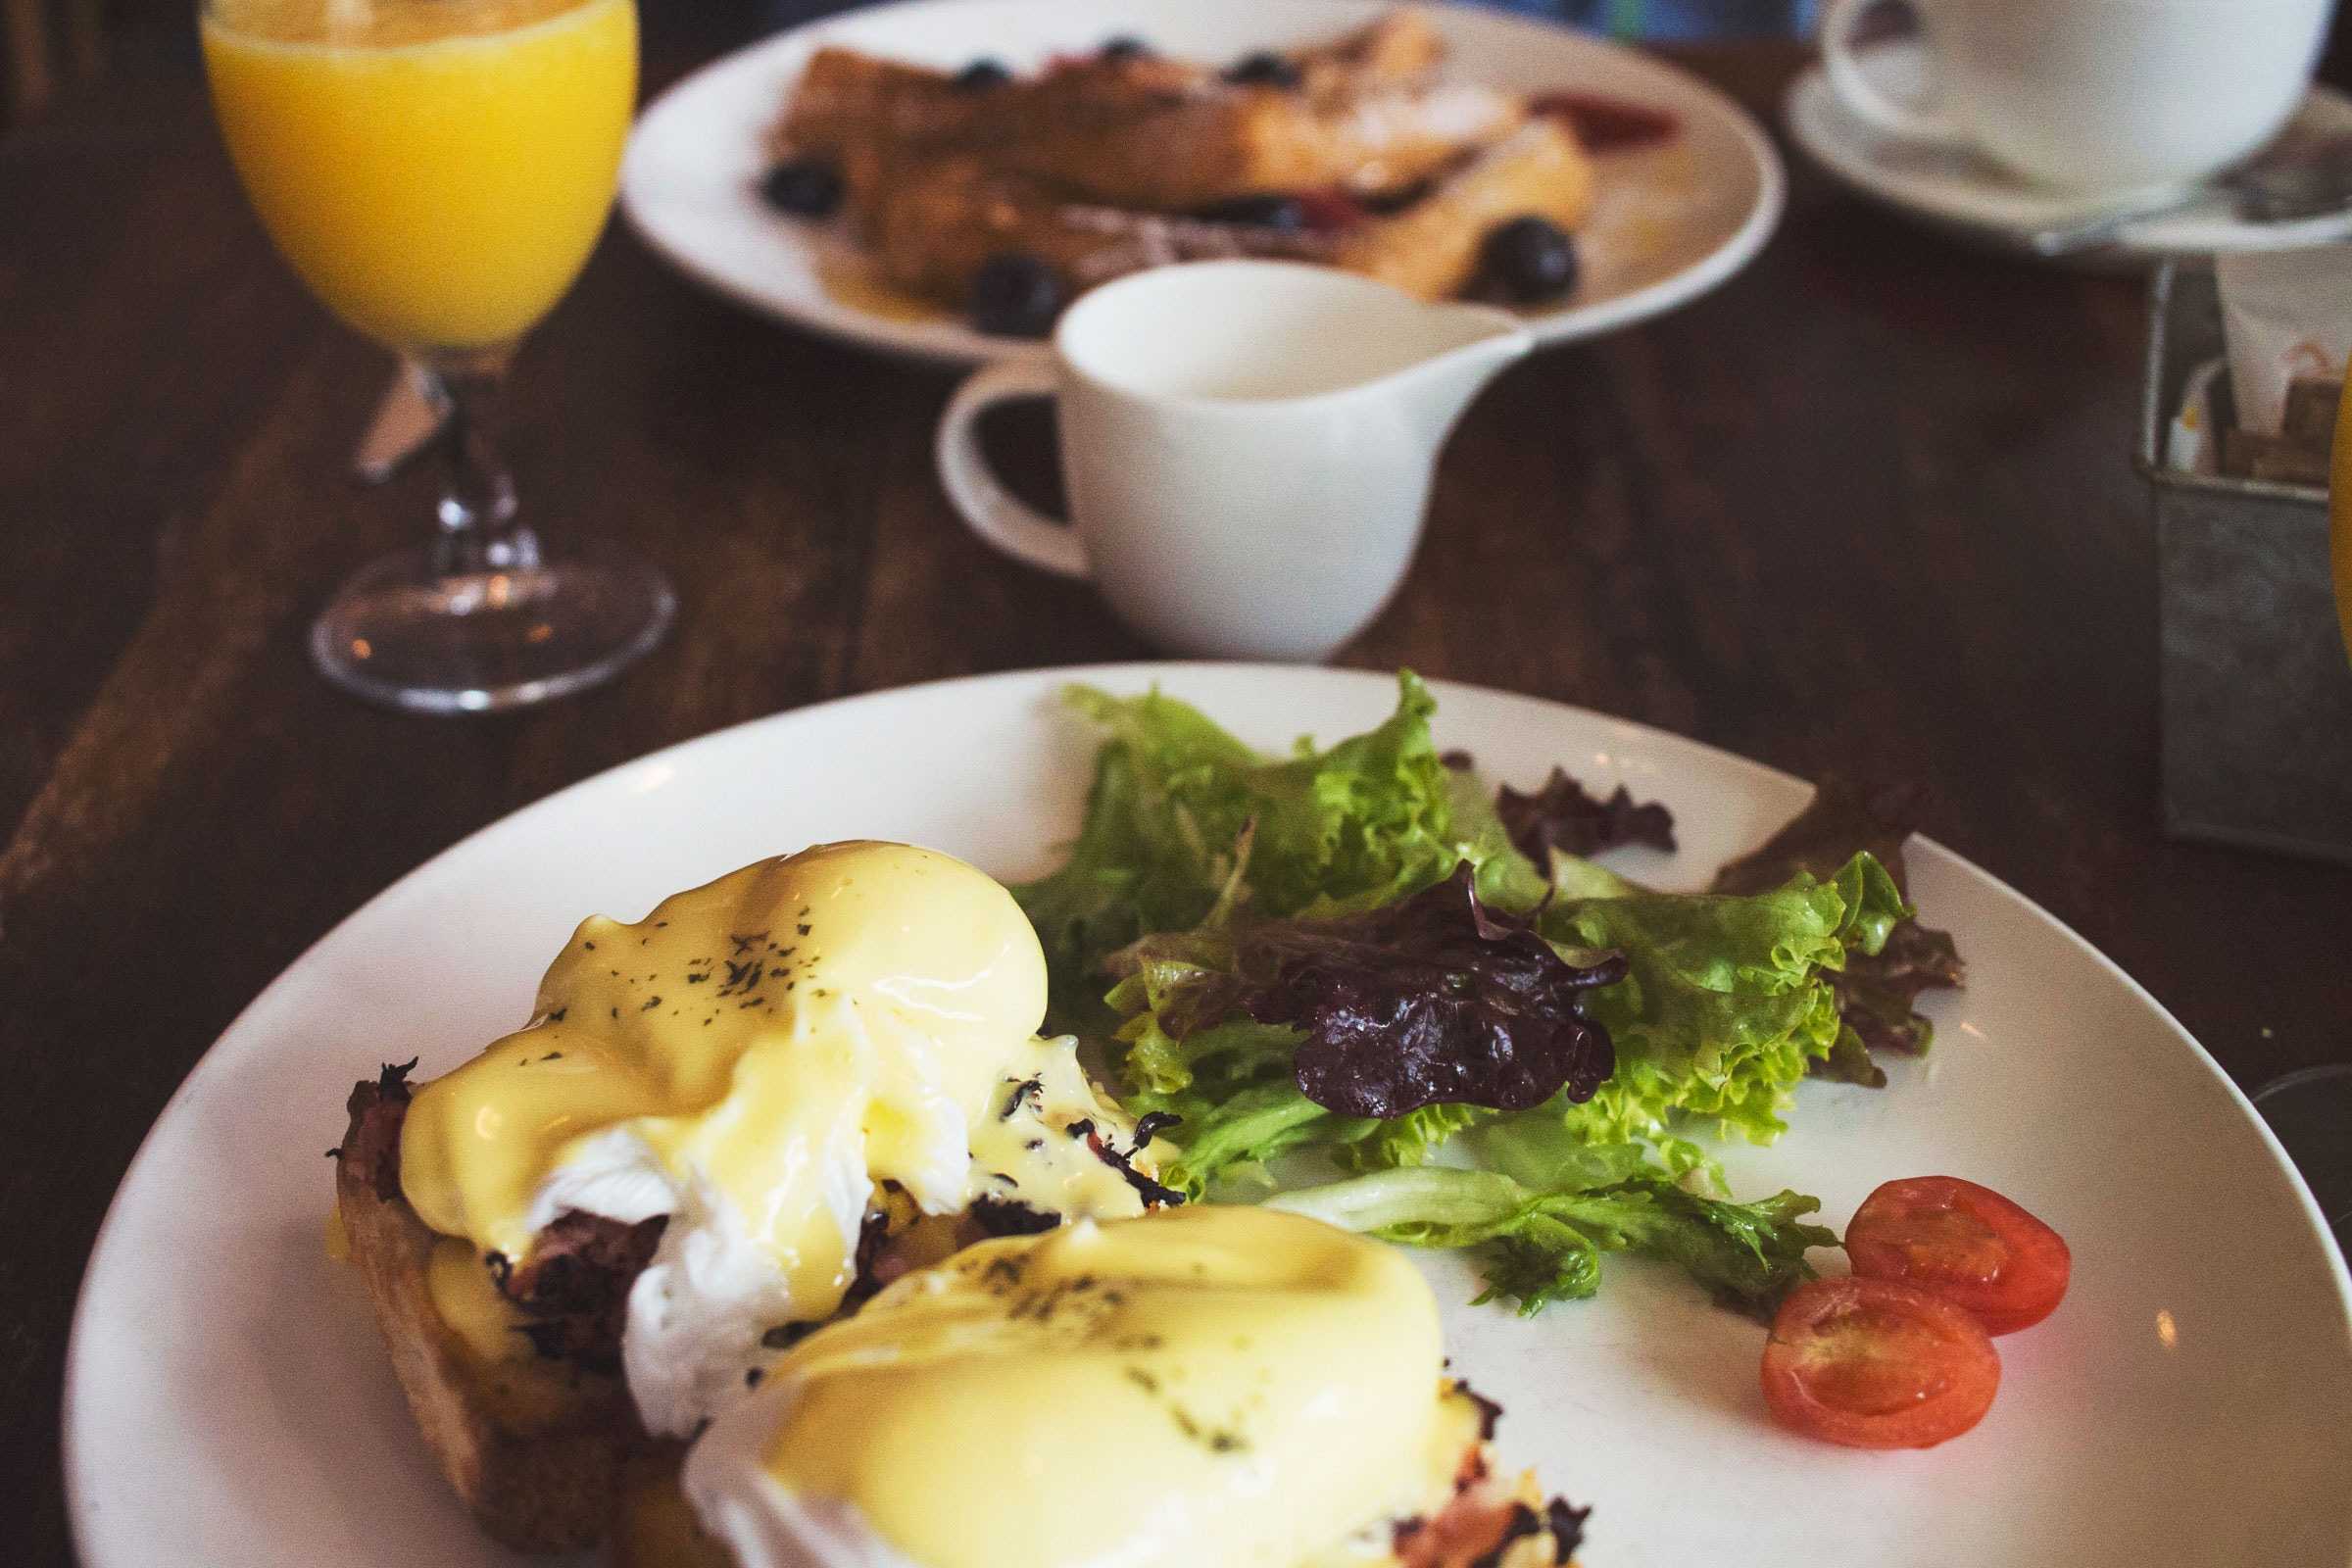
(1208, 1385)
(724, 1124)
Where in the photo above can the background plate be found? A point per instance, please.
(1671, 221)
(228, 1401)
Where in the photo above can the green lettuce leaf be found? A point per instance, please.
(1538, 1149)
(1193, 842)
(1729, 998)
(1183, 819)
(1877, 992)
(1406, 1139)
(1574, 878)
(1247, 1129)
(1543, 1245)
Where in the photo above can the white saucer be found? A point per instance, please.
(1960, 189)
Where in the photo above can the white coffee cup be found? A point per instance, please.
(2095, 95)
(1246, 448)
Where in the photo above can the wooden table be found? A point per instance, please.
(1867, 507)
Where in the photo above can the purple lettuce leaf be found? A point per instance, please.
(1434, 1000)
(1563, 815)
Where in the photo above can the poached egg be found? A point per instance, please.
(761, 1059)
(1204, 1384)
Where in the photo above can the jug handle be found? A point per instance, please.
(990, 510)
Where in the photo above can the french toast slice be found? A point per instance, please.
(1363, 114)
(1432, 246)
(1120, 160)
(930, 226)
(1144, 132)
(1396, 49)
(1253, 141)
(534, 1447)
(845, 98)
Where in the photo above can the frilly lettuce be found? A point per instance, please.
(1190, 838)
(1729, 1000)
(1183, 817)
(1545, 1244)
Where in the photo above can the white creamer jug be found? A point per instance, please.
(1246, 445)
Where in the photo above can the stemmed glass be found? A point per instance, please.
(436, 172)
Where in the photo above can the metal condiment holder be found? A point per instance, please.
(2256, 686)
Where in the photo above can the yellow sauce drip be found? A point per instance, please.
(1208, 1385)
(468, 1300)
(774, 1043)
(525, 1390)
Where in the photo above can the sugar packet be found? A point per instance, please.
(2286, 317)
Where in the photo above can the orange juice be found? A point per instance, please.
(436, 169)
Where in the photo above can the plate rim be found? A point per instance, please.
(949, 343)
(80, 1506)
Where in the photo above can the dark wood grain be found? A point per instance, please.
(1867, 507)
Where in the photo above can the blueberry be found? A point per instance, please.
(1265, 68)
(982, 76)
(1285, 214)
(1015, 295)
(1126, 46)
(1530, 259)
(806, 188)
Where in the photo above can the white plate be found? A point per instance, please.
(1671, 221)
(1960, 189)
(228, 1401)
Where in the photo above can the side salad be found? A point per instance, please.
(1359, 969)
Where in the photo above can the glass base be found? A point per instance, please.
(404, 634)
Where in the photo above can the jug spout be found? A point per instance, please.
(1478, 342)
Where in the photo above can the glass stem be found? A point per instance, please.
(478, 531)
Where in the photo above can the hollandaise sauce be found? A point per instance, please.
(756, 1055)
(1205, 1386)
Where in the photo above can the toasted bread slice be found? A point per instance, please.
(533, 1447)
(1431, 248)
(534, 1439)
(653, 1525)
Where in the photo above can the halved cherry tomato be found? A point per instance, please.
(1874, 1364)
(1964, 1243)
